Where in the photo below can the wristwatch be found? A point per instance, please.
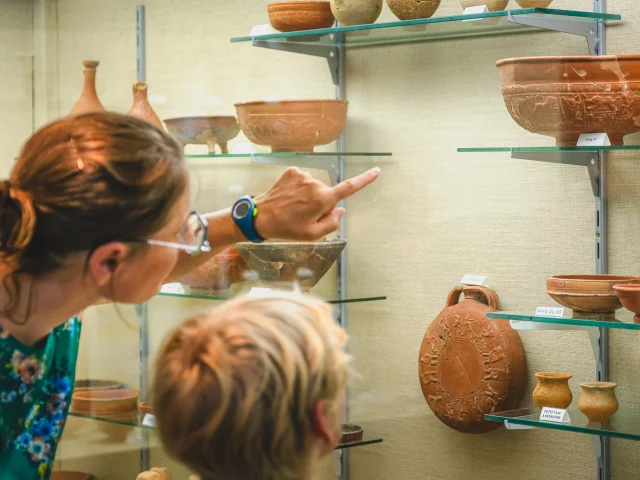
(244, 213)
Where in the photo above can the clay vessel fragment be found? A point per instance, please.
(356, 12)
(88, 101)
(413, 9)
(141, 107)
(534, 3)
(564, 97)
(629, 295)
(553, 390)
(492, 5)
(598, 401)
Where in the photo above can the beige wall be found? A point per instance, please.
(434, 215)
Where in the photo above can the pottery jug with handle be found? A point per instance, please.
(356, 12)
(88, 101)
(141, 107)
(469, 365)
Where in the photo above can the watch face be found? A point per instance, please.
(242, 209)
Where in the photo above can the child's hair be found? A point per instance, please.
(235, 389)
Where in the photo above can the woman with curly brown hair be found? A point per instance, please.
(97, 210)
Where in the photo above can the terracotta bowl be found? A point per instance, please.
(293, 125)
(282, 262)
(105, 402)
(145, 408)
(351, 434)
(219, 273)
(629, 295)
(61, 475)
(563, 97)
(91, 384)
(588, 294)
(534, 3)
(295, 16)
(204, 131)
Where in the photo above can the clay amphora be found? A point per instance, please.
(141, 107)
(553, 390)
(598, 401)
(88, 101)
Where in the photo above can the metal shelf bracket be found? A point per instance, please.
(589, 159)
(330, 52)
(328, 163)
(584, 28)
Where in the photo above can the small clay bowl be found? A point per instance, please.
(629, 295)
(90, 384)
(145, 408)
(105, 402)
(204, 131)
(62, 475)
(588, 294)
(351, 434)
(296, 16)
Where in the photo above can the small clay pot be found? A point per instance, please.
(553, 390)
(162, 472)
(534, 3)
(356, 12)
(413, 9)
(629, 295)
(492, 5)
(141, 107)
(148, 476)
(88, 101)
(145, 408)
(598, 401)
(351, 434)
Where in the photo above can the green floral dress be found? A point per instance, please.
(35, 395)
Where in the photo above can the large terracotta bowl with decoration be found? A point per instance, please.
(292, 125)
(218, 273)
(285, 262)
(204, 131)
(588, 294)
(295, 16)
(564, 97)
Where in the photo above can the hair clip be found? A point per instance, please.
(74, 148)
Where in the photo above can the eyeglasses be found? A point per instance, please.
(193, 239)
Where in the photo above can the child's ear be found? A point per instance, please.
(326, 424)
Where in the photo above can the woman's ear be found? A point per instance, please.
(104, 261)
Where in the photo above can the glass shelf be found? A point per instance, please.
(138, 424)
(328, 298)
(293, 155)
(624, 424)
(578, 322)
(548, 149)
(426, 29)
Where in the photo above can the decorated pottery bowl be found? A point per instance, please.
(564, 97)
(105, 402)
(218, 273)
(286, 262)
(351, 434)
(204, 131)
(292, 125)
(588, 294)
(295, 16)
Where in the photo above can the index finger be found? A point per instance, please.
(355, 184)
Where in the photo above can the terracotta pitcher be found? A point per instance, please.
(88, 101)
(598, 401)
(141, 107)
(553, 390)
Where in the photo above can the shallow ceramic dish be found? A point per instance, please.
(105, 402)
(296, 16)
(292, 125)
(218, 273)
(588, 294)
(90, 384)
(351, 434)
(564, 97)
(204, 131)
(286, 262)
(629, 295)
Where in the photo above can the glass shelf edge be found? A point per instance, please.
(548, 149)
(293, 155)
(427, 21)
(333, 301)
(518, 317)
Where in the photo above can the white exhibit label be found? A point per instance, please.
(149, 420)
(257, 30)
(594, 140)
(469, 279)
(175, 287)
(554, 415)
(259, 291)
(475, 10)
(550, 312)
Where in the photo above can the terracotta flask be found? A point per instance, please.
(88, 101)
(598, 401)
(141, 107)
